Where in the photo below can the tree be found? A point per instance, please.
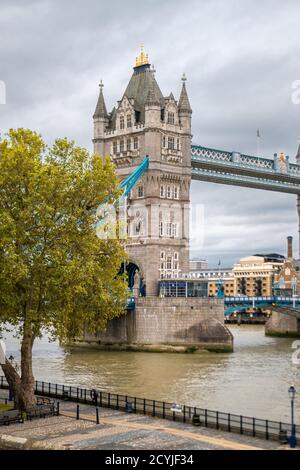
(56, 275)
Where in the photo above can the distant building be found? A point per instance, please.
(287, 279)
(254, 275)
(267, 274)
(216, 279)
(198, 264)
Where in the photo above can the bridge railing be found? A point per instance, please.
(251, 426)
(243, 160)
(261, 298)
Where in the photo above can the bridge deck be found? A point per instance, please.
(237, 169)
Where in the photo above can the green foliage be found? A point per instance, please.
(55, 274)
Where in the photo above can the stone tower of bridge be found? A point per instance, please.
(298, 202)
(145, 122)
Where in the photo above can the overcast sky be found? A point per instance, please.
(240, 57)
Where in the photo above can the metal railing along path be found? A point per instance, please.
(251, 426)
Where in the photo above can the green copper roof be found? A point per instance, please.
(141, 87)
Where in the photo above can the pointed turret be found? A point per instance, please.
(184, 108)
(100, 111)
(184, 104)
(100, 123)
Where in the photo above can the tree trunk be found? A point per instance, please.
(22, 387)
(13, 379)
(27, 397)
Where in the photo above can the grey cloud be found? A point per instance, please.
(240, 59)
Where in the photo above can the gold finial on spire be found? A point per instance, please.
(142, 59)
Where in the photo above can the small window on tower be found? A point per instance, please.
(162, 191)
(176, 192)
(161, 229)
(171, 143)
(178, 144)
(141, 191)
(171, 118)
(169, 192)
(122, 122)
(164, 142)
(137, 227)
(129, 120)
(174, 230)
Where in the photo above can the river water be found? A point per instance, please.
(252, 381)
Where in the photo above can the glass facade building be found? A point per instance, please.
(183, 288)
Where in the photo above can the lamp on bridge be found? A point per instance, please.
(292, 394)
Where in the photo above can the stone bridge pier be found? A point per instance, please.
(168, 325)
(280, 324)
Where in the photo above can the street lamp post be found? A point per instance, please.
(292, 394)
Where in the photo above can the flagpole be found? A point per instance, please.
(257, 143)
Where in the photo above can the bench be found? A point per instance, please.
(11, 416)
(40, 411)
(44, 401)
